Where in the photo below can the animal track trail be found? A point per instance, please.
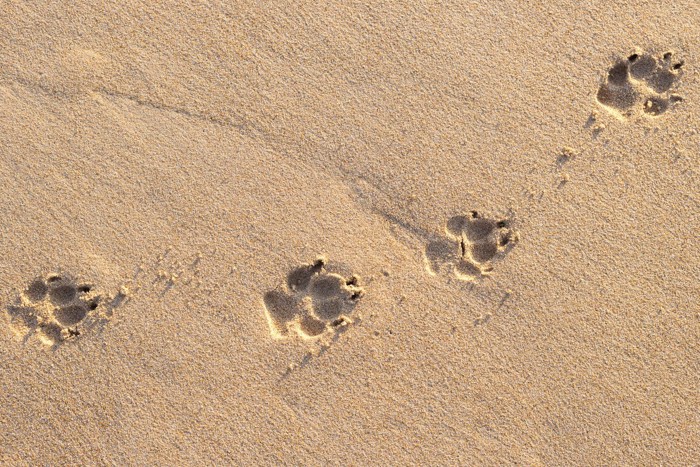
(471, 246)
(641, 84)
(57, 308)
(314, 301)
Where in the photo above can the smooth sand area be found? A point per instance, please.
(328, 233)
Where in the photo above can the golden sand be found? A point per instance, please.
(349, 234)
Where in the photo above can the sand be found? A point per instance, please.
(341, 234)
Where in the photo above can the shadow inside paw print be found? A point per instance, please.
(312, 302)
(471, 245)
(641, 84)
(55, 308)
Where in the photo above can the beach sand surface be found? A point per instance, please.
(336, 233)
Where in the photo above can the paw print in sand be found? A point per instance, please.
(55, 307)
(471, 246)
(641, 84)
(314, 301)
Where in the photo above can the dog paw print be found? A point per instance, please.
(314, 301)
(56, 308)
(471, 246)
(641, 84)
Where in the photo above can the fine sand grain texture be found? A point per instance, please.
(329, 233)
